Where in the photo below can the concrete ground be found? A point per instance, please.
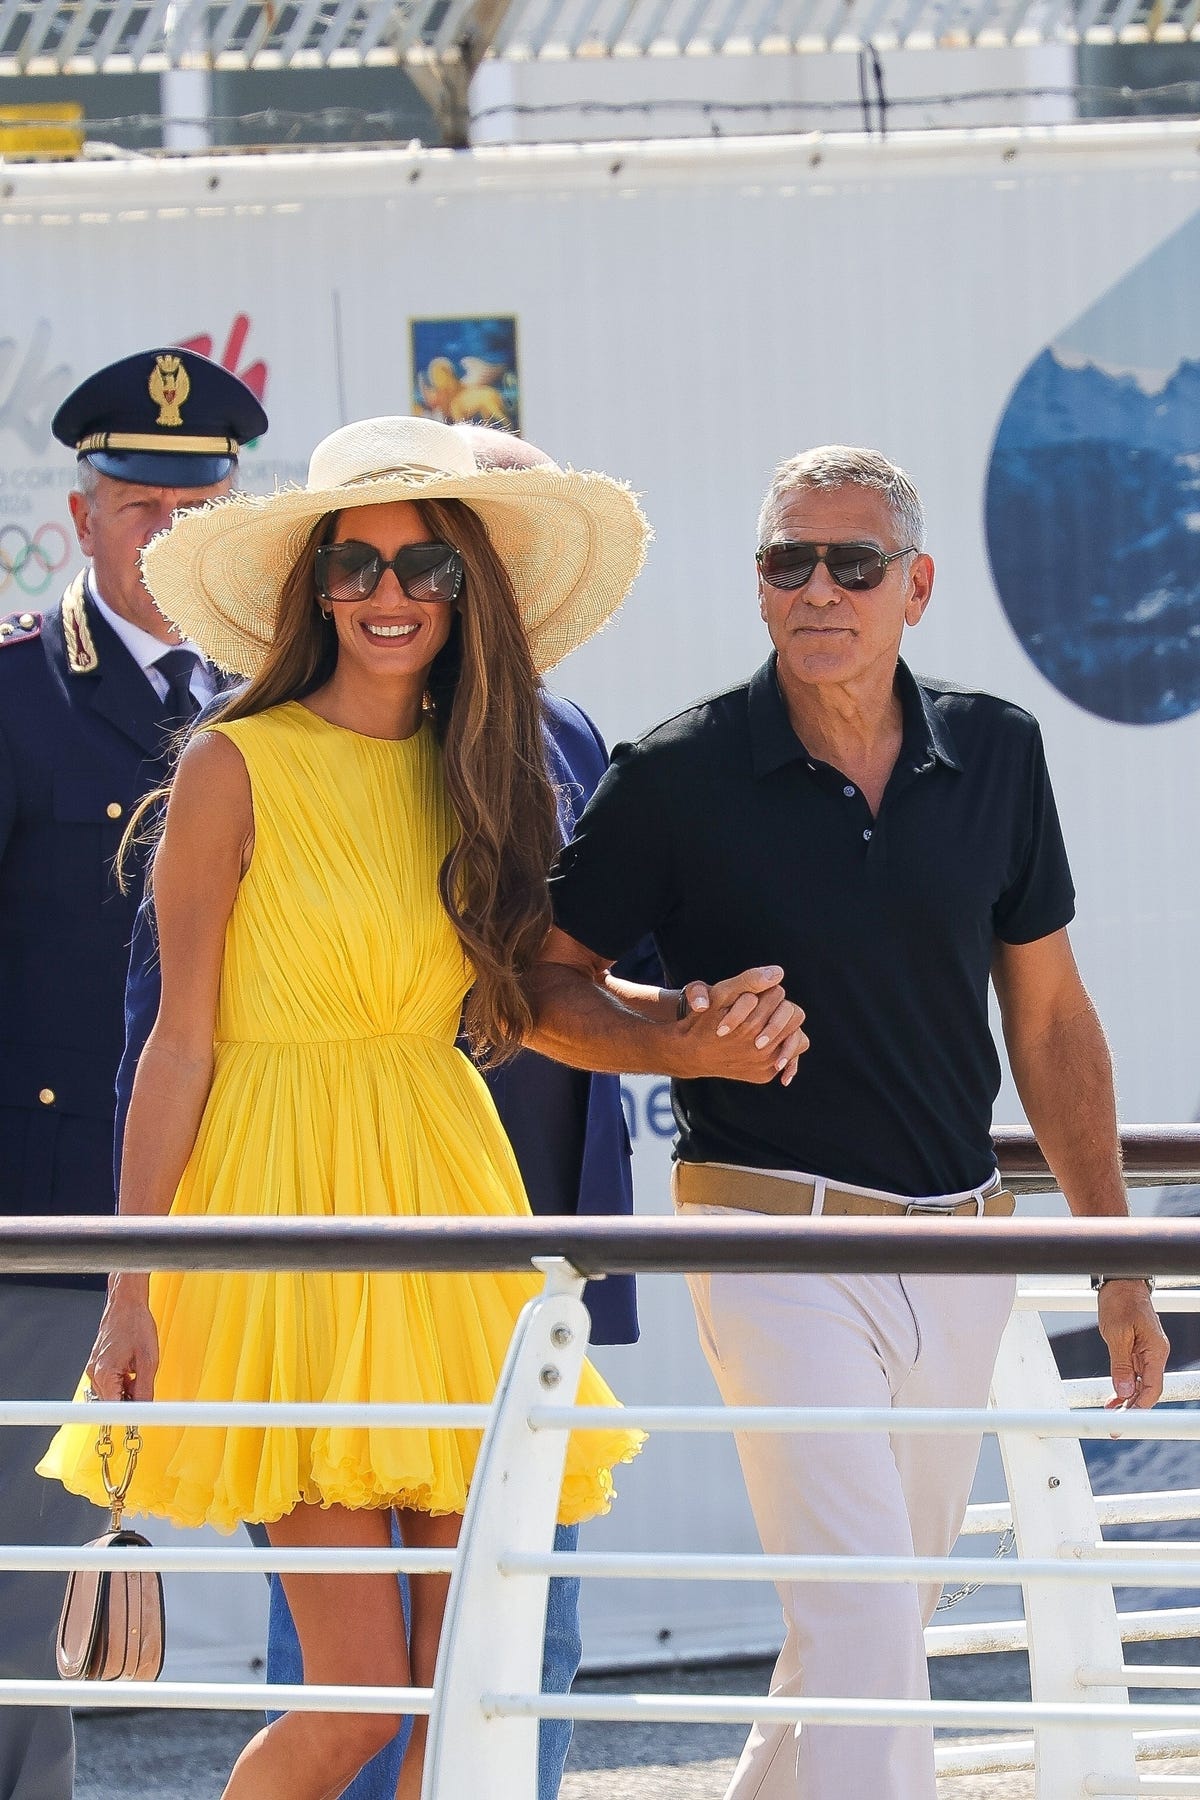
(139, 1756)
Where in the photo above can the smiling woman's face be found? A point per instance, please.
(387, 634)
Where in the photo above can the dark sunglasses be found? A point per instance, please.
(855, 567)
(352, 571)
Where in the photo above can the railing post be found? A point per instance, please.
(1053, 1505)
(495, 1624)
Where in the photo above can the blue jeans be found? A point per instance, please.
(377, 1781)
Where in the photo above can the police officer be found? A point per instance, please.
(91, 694)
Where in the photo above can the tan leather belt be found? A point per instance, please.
(706, 1184)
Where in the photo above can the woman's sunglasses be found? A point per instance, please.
(855, 567)
(352, 571)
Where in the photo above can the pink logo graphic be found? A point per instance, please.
(254, 374)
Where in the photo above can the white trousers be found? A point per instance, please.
(857, 1340)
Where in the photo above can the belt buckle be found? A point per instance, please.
(943, 1209)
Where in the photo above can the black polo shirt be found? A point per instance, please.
(719, 834)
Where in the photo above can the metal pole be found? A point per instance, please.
(495, 1625)
(1053, 1504)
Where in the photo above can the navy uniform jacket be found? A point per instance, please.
(82, 735)
(567, 1129)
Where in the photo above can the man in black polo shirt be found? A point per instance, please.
(892, 844)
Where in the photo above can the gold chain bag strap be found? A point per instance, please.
(113, 1627)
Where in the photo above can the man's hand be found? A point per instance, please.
(1137, 1343)
(744, 1028)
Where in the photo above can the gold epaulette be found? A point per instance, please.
(82, 656)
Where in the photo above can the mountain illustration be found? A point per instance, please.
(1093, 531)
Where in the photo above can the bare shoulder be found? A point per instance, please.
(211, 804)
(212, 768)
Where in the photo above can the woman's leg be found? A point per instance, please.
(427, 1604)
(351, 1630)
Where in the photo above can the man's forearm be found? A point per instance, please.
(1065, 1080)
(615, 1029)
(661, 1005)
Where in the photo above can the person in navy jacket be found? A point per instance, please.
(569, 1135)
(92, 692)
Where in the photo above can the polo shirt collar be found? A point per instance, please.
(774, 744)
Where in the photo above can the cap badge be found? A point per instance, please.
(169, 388)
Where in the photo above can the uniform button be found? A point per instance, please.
(113, 809)
(866, 837)
(47, 1096)
(848, 791)
(7, 629)
(27, 621)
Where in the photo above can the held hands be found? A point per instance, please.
(742, 1029)
(1137, 1344)
(124, 1359)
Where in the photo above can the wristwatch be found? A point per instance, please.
(1098, 1281)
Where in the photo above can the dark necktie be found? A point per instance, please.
(178, 666)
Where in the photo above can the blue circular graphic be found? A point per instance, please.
(1093, 530)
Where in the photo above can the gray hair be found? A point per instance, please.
(833, 466)
(87, 478)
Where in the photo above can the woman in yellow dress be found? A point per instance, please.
(354, 845)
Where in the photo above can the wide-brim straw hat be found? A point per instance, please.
(572, 544)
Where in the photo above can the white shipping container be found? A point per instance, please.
(1010, 314)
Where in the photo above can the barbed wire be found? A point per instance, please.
(395, 124)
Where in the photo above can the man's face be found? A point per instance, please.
(825, 634)
(114, 524)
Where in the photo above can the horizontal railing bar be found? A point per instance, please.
(381, 1416)
(1172, 1426)
(1140, 1675)
(1093, 1390)
(1175, 1299)
(215, 1696)
(832, 1420)
(984, 1759)
(192, 1559)
(1132, 1549)
(987, 1519)
(1160, 1624)
(614, 1245)
(1139, 1509)
(980, 1638)
(645, 1565)
(739, 1709)
(1115, 1787)
(1153, 1155)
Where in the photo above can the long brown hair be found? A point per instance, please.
(484, 697)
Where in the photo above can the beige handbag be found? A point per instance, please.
(113, 1627)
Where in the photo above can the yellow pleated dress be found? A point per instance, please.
(338, 1092)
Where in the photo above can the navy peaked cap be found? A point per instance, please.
(165, 418)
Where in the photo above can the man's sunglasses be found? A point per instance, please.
(855, 567)
(352, 571)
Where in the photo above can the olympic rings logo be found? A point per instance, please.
(32, 562)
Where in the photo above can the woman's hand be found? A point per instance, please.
(124, 1359)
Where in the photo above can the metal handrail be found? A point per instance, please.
(1153, 1156)
(937, 1246)
(487, 1713)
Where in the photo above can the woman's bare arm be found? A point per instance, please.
(204, 852)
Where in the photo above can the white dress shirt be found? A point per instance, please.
(145, 650)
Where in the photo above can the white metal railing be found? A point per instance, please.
(1086, 1735)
